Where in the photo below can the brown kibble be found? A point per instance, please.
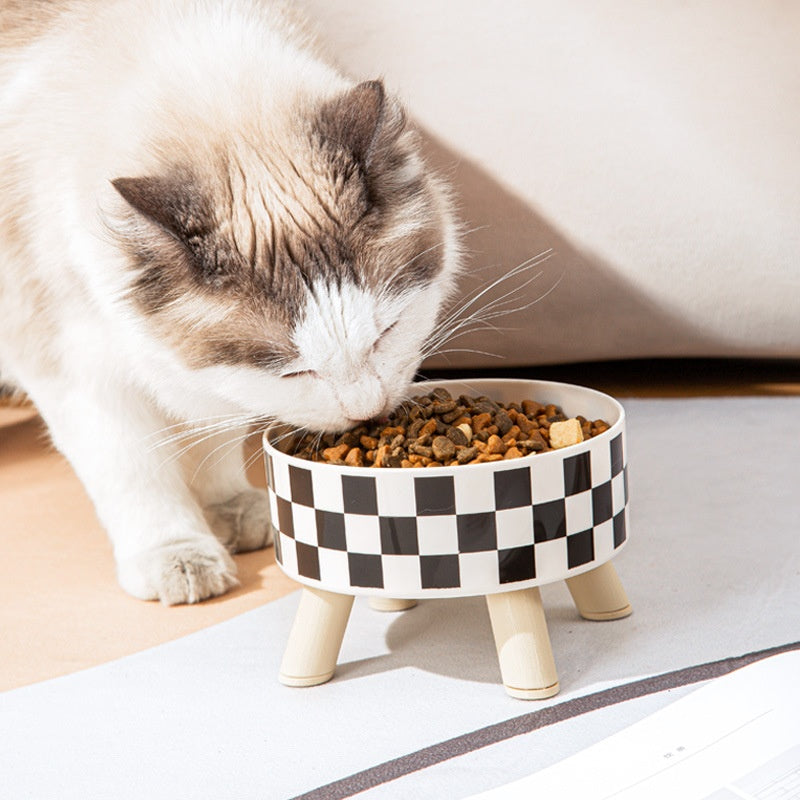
(435, 430)
(421, 450)
(481, 421)
(466, 454)
(495, 445)
(531, 408)
(524, 424)
(382, 455)
(428, 429)
(512, 433)
(443, 448)
(336, 453)
(503, 422)
(355, 458)
(457, 437)
(393, 431)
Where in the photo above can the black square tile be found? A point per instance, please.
(307, 561)
(270, 470)
(435, 495)
(549, 521)
(300, 483)
(516, 564)
(285, 519)
(620, 532)
(330, 530)
(278, 550)
(359, 495)
(577, 473)
(365, 570)
(399, 536)
(580, 548)
(602, 503)
(512, 488)
(476, 532)
(617, 456)
(440, 572)
(625, 482)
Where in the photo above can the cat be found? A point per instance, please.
(203, 225)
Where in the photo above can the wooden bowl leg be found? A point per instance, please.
(599, 594)
(523, 644)
(316, 638)
(390, 604)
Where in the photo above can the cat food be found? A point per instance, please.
(437, 429)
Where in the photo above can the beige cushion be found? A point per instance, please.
(654, 147)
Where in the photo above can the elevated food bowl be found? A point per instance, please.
(477, 529)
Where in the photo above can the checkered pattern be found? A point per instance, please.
(451, 531)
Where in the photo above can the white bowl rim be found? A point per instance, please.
(490, 466)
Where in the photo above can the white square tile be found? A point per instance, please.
(547, 477)
(579, 512)
(273, 507)
(401, 574)
(282, 485)
(288, 554)
(514, 527)
(474, 491)
(604, 540)
(618, 492)
(327, 491)
(551, 560)
(362, 533)
(437, 535)
(305, 525)
(333, 567)
(478, 571)
(601, 462)
(395, 492)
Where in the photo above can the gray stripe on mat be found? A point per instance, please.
(483, 737)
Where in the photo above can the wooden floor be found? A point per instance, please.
(61, 609)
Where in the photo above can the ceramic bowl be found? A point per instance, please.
(475, 529)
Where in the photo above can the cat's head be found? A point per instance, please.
(299, 271)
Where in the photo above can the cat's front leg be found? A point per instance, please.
(214, 466)
(113, 438)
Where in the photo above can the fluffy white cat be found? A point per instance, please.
(202, 224)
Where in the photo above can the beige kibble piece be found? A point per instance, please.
(566, 433)
(466, 430)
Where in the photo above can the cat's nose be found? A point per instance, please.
(361, 402)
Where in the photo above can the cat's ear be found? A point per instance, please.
(363, 120)
(172, 202)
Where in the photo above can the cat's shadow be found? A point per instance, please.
(578, 307)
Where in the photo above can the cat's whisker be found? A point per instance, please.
(480, 292)
(199, 434)
(479, 318)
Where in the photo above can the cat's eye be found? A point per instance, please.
(308, 373)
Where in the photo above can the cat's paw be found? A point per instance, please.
(180, 572)
(243, 522)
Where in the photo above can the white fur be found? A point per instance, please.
(79, 107)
